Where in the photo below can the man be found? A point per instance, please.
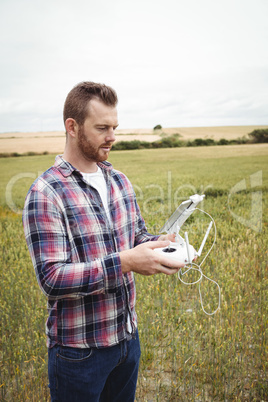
(86, 237)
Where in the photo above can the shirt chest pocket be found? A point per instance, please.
(85, 221)
(88, 234)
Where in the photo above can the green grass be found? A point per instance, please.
(186, 355)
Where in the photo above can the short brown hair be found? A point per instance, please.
(76, 103)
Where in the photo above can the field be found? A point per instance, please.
(54, 141)
(186, 354)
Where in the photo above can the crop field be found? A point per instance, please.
(187, 355)
(54, 141)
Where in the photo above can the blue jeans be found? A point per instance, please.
(94, 375)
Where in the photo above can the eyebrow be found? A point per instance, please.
(106, 125)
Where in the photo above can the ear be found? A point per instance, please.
(71, 127)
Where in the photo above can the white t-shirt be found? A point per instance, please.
(97, 181)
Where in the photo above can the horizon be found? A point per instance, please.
(145, 129)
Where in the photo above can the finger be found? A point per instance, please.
(170, 237)
(170, 263)
(168, 270)
(157, 244)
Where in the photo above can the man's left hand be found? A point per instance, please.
(170, 237)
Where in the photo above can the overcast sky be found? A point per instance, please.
(172, 62)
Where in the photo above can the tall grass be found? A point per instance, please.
(186, 355)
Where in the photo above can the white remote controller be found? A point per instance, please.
(180, 251)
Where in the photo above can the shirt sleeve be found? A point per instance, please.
(47, 239)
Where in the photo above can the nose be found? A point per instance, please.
(110, 135)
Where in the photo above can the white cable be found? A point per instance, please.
(198, 268)
(215, 235)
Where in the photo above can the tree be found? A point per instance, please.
(259, 135)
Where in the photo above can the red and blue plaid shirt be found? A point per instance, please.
(75, 253)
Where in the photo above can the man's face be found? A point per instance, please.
(96, 136)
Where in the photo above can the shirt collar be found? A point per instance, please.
(66, 169)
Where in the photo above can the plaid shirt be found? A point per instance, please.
(75, 253)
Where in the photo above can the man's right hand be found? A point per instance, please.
(143, 260)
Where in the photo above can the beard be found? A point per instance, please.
(89, 150)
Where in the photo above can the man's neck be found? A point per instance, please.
(80, 163)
